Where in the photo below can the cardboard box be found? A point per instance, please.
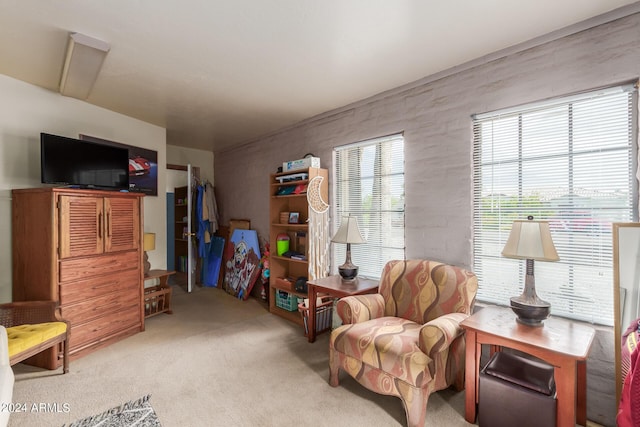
(307, 162)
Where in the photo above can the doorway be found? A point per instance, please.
(181, 256)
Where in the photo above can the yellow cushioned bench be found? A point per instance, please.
(34, 326)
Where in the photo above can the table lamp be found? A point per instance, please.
(348, 233)
(530, 240)
(149, 244)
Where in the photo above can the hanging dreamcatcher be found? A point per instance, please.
(318, 230)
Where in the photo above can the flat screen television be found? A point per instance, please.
(74, 162)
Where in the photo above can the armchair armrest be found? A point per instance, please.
(6, 376)
(28, 312)
(438, 334)
(360, 308)
(4, 350)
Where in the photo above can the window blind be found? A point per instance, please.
(569, 161)
(369, 184)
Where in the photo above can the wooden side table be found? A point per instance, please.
(561, 343)
(336, 287)
(157, 299)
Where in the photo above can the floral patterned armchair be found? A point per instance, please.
(406, 341)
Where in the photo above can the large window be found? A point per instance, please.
(571, 162)
(369, 184)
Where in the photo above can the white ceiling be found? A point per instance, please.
(216, 73)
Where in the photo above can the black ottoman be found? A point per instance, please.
(516, 392)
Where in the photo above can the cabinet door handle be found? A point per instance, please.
(108, 225)
(100, 225)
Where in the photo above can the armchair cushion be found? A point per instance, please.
(360, 308)
(422, 290)
(389, 344)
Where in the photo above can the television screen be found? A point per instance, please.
(69, 161)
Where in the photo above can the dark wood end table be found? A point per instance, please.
(561, 343)
(336, 287)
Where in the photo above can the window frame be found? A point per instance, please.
(382, 245)
(480, 261)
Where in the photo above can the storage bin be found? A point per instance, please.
(286, 301)
(516, 391)
(324, 315)
(307, 162)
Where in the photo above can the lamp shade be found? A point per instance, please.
(149, 241)
(349, 232)
(530, 239)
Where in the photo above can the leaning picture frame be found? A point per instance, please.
(294, 217)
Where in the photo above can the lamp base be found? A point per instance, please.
(146, 264)
(529, 308)
(530, 314)
(348, 272)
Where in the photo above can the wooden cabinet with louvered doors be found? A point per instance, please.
(95, 225)
(81, 226)
(83, 249)
(122, 232)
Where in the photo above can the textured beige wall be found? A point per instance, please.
(197, 158)
(435, 117)
(25, 111)
(436, 120)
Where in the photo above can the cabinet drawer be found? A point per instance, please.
(97, 330)
(101, 306)
(82, 268)
(126, 281)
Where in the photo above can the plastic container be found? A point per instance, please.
(282, 243)
(286, 301)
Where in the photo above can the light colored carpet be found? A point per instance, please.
(217, 361)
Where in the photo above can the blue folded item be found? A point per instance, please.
(284, 190)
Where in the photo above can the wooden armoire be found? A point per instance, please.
(83, 249)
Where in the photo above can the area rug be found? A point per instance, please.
(134, 413)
